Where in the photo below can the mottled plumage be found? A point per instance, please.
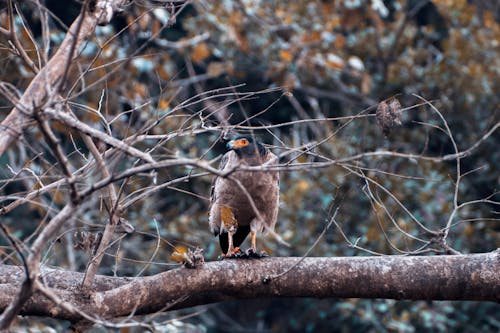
(231, 212)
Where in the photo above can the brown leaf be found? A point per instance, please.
(388, 115)
(286, 55)
(200, 52)
(188, 257)
(86, 241)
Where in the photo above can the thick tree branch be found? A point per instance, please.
(461, 277)
(33, 266)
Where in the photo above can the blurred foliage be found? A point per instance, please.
(335, 58)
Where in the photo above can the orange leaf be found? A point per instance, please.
(93, 117)
(200, 52)
(163, 103)
(332, 23)
(303, 185)
(286, 55)
(314, 36)
(469, 230)
(140, 90)
(60, 127)
(327, 8)
(373, 233)
(179, 254)
(353, 19)
(58, 197)
(216, 68)
(489, 20)
(339, 41)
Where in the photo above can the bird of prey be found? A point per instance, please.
(235, 212)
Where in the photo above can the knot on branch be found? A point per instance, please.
(104, 9)
(388, 115)
(87, 241)
(189, 258)
(124, 227)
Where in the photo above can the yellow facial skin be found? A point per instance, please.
(239, 143)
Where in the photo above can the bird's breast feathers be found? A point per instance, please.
(261, 186)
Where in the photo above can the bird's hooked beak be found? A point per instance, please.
(237, 144)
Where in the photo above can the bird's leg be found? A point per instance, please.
(253, 243)
(252, 251)
(231, 250)
(231, 225)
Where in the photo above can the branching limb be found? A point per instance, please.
(86, 129)
(16, 303)
(18, 119)
(109, 230)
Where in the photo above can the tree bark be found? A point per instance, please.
(459, 277)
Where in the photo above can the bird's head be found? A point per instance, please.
(246, 146)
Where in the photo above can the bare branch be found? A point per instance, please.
(84, 128)
(33, 261)
(17, 120)
(113, 219)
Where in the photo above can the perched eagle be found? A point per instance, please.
(232, 216)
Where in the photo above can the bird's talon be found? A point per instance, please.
(252, 253)
(231, 254)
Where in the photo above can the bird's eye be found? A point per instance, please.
(244, 142)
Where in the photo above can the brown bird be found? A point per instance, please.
(232, 216)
